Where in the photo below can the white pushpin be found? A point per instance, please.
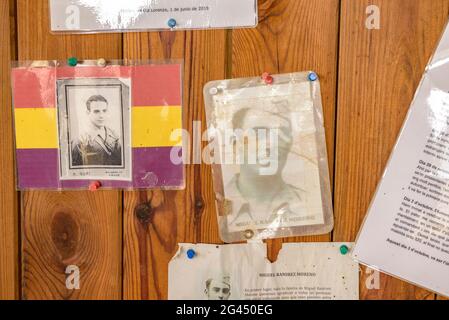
(249, 234)
(101, 62)
(213, 91)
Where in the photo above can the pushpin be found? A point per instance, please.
(344, 250)
(249, 234)
(267, 78)
(73, 62)
(172, 23)
(213, 91)
(313, 76)
(101, 62)
(191, 254)
(94, 186)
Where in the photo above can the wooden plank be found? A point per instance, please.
(379, 73)
(293, 36)
(9, 258)
(155, 222)
(150, 218)
(68, 228)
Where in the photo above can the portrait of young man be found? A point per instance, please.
(218, 288)
(260, 195)
(99, 145)
(273, 181)
(95, 129)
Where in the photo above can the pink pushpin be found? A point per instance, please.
(94, 186)
(267, 78)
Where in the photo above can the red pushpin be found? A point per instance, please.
(268, 78)
(94, 186)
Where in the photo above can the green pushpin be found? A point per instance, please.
(344, 250)
(73, 62)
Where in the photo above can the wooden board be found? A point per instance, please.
(288, 39)
(9, 259)
(123, 242)
(155, 222)
(68, 228)
(379, 71)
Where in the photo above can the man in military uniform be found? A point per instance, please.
(99, 146)
(218, 288)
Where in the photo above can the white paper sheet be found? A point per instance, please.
(306, 271)
(107, 15)
(406, 232)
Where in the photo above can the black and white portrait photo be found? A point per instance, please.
(99, 145)
(95, 129)
(282, 190)
(218, 287)
(211, 275)
(262, 193)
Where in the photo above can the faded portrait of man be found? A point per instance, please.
(99, 145)
(257, 196)
(218, 288)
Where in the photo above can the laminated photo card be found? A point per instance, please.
(111, 124)
(270, 172)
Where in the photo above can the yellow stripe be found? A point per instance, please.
(153, 126)
(36, 128)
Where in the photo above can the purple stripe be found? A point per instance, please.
(152, 168)
(37, 168)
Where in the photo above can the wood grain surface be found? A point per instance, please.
(9, 258)
(379, 72)
(155, 222)
(68, 228)
(288, 40)
(123, 242)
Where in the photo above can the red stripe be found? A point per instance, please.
(157, 85)
(94, 72)
(34, 88)
(153, 85)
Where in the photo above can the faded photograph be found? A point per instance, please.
(282, 189)
(94, 121)
(260, 192)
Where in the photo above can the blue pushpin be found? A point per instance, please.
(191, 254)
(172, 23)
(313, 76)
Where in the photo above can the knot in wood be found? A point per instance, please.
(65, 234)
(199, 204)
(144, 212)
